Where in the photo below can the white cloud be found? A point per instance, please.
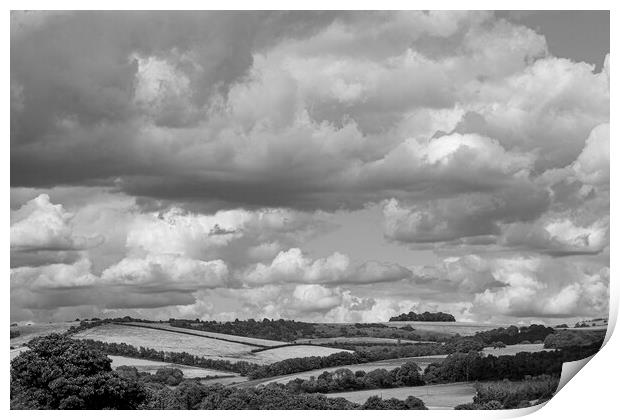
(592, 165)
(41, 225)
(167, 272)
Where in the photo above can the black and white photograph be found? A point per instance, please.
(306, 209)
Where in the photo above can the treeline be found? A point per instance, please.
(371, 354)
(567, 339)
(279, 330)
(191, 395)
(345, 380)
(515, 335)
(15, 333)
(509, 395)
(182, 358)
(460, 367)
(426, 316)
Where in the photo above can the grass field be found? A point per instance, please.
(152, 366)
(169, 341)
(514, 349)
(355, 340)
(289, 352)
(199, 345)
(225, 337)
(444, 396)
(28, 332)
(462, 328)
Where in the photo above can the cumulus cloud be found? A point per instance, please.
(41, 225)
(166, 272)
(592, 164)
(257, 127)
(192, 156)
(539, 287)
(293, 267)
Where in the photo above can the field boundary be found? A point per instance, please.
(261, 346)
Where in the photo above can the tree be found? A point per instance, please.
(60, 373)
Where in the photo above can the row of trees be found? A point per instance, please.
(567, 339)
(345, 380)
(182, 358)
(461, 367)
(426, 316)
(191, 395)
(515, 335)
(284, 367)
(280, 330)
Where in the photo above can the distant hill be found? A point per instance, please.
(426, 316)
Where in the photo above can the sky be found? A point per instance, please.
(318, 166)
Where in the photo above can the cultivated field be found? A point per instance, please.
(151, 366)
(444, 396)
(289, 352)
(462, 328)
(28, 332)
(356, 340)
(514, 349)
(169, 341)
(225, 337)
(199, 345)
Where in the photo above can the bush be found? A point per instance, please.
(60, 373)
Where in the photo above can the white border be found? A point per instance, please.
(593, 394)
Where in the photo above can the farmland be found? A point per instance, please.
(224, 337)
(212, 358)
(152, 366)
(289, 352)
(514, 349)
(28, 332)
(168, 341)
(446, 328)
(357, 340)
(172, 339)
(444, 396)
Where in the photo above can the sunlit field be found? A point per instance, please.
(443, 396)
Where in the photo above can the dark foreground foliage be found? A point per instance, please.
(58, 373)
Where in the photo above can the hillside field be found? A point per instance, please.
(196, 344)
(444, 396)
(28, 332)
(513, 349)
(225, 337)
(151, 366)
